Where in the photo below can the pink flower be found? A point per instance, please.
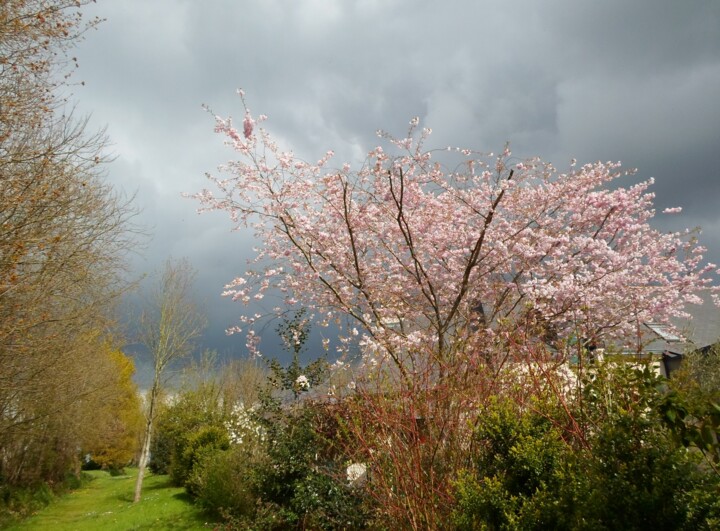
(405, 249)
(248, 124)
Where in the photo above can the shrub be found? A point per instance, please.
(625, 471)
(284, 476)
(519, 461)
(298, 476)
(199, 448)
(19, 502)
(272, 466)
(229, 482)
(161, 450)
(302, 475)
(193, 410)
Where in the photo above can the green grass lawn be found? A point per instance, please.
(106, 503)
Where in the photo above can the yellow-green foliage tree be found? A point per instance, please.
(72, 402)
(119, 419)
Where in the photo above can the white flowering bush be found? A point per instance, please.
(242, 425)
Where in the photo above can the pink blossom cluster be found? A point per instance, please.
(419, 257)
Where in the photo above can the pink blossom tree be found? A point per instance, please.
(444, 275)
(415, 255)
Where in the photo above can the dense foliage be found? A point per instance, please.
(628, 472)
(604, 456)
(271, 464)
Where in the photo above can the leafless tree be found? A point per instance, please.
(168, 327)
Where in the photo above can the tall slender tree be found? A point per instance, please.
(169, 327)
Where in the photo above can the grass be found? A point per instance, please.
(105, 503)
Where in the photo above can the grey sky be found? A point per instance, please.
(633, 81)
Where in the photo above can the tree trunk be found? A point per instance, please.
(144, 457)
(145, 452)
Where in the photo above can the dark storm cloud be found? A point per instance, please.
(615, 80)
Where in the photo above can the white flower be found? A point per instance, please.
(356, 473)
(302, 382)
(241, 426)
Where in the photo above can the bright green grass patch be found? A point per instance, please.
(106, 504)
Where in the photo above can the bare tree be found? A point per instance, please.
(169, 327)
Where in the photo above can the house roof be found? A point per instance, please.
(660, 340)
(703, 329)
(699, 332)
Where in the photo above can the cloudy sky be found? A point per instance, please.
(632, 81)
